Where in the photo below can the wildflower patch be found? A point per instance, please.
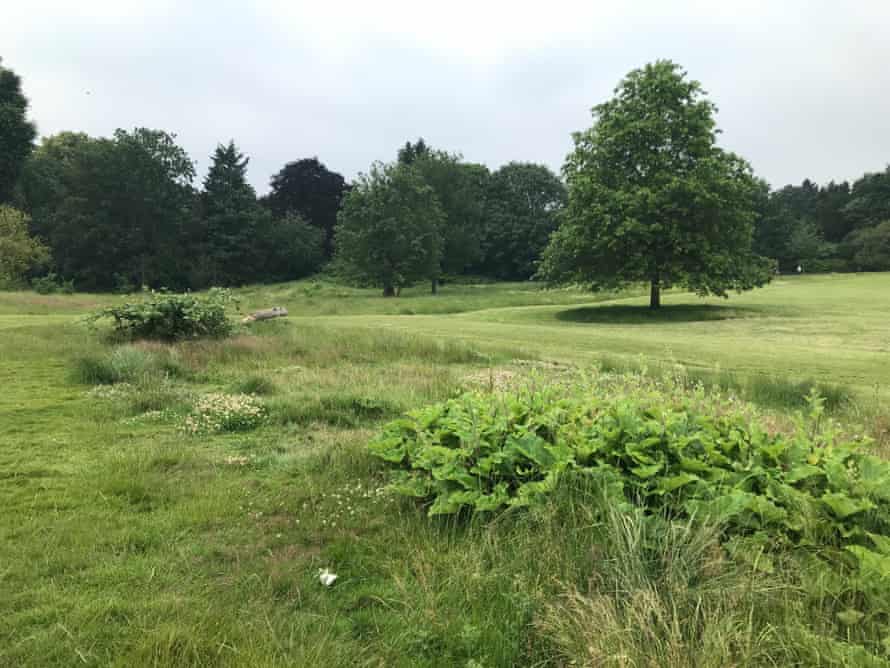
(218, 412)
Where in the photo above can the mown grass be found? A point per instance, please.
(127, 541)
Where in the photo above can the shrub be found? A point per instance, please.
(807, 496)
(491, 451)
(168, 316)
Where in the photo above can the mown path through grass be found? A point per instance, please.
(831, 328)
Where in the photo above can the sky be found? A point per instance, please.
(803, 88)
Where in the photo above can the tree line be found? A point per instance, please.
(646, 196)
(835, 227)
(124, 211)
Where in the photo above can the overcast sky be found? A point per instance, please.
(803, 88)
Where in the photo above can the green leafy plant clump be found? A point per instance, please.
(677, 455)
(169, 316)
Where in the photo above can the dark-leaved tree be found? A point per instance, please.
(16, 132)
(229, 220)
(653, 199)
(312, 191)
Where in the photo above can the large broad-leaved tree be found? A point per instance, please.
(388, 228)
(653, 199)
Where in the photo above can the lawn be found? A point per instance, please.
(126, 540)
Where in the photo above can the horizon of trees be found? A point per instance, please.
(116, 213)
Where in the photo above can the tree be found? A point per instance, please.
(114, 210)
(870, 247)
(229, 219)
(409, 153)
(653, 199)
(309, 189)
(388, 228)
(290, 247)
(869, 203)
(19, 252)
(16, 132)
(806, 243)
(830, 217)
(523, 203)
(460, 188)
(157, 203)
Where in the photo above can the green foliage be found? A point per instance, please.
(870, 247)
(653, 199)
(16, 132)
(460, 189)
(489, 452)
(51, 284)
(168, 316)
(388, 228)
(809, 495)
(523, 203)
(113, 208)
(19, 251)
(309, 190)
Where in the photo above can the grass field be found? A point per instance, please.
(126, 540)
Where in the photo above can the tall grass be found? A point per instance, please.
(127, 363)
(776, 392)
(662, 593)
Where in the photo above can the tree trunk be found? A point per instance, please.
(655, 294)
(435, 285)
(389, 290)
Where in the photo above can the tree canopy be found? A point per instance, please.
(309, 189)
(523, 204)
(17, 134)
(388, 228)
(460, 189)
(19, 251)
(653, 199)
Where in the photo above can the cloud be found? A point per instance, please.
(803, 88)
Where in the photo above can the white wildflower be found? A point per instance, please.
(326, 577)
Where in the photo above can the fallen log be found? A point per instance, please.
(266, 314)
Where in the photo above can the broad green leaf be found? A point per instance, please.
(843, 506)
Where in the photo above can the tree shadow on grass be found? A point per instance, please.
(627, 314)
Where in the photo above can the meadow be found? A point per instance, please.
(137, 531)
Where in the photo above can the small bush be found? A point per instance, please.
(168, 317)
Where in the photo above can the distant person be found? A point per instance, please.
(799, 269)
